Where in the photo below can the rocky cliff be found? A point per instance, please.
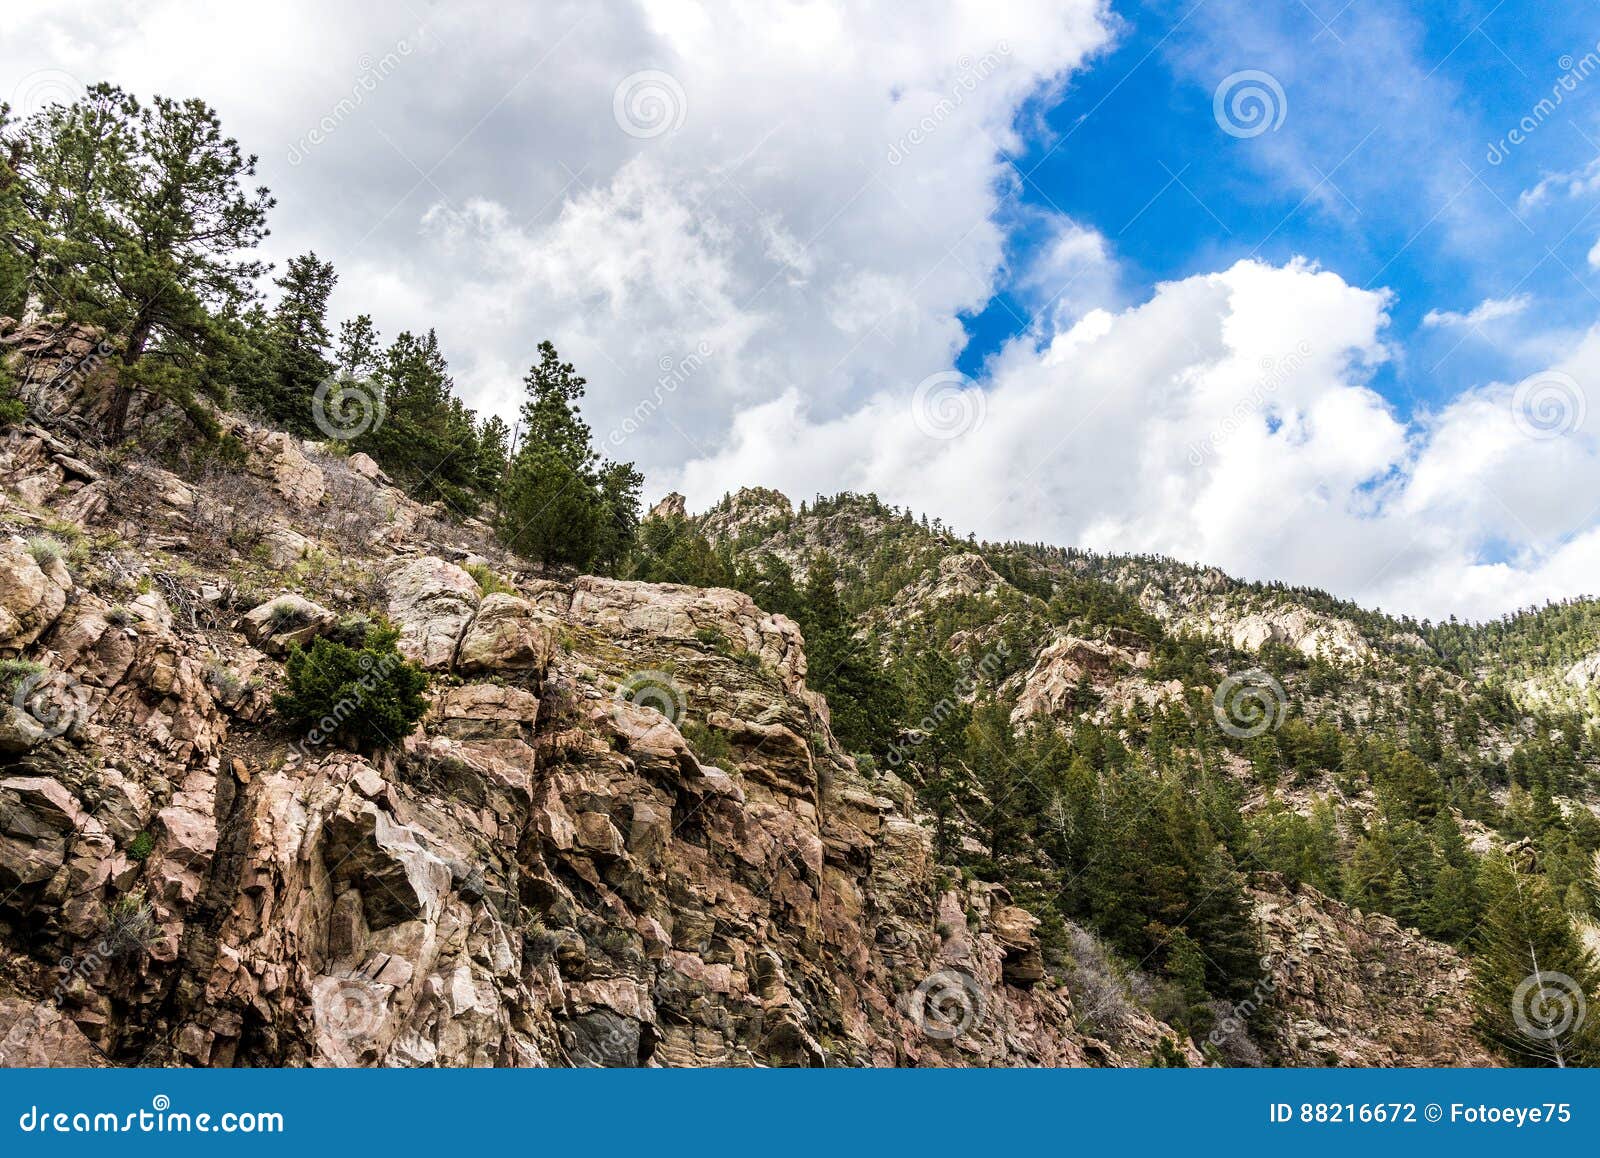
(622, 835)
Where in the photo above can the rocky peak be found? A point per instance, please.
(673, 506)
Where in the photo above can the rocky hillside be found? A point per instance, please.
(624, 832)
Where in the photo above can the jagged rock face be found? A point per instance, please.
(1358, 989)
(1584, 673)
(623, 833)
(1111, 670)
(673, 506)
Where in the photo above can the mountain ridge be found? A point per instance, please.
(631, 826)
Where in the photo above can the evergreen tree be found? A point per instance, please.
(937, 716)
(359, 347)
(299, 343)
(561, 504)
(138, 219)
(422, 434)
(1533, 975)
(861, 698)
(17, 246)
(494, 452)
(619, 486)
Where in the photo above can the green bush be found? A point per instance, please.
(46, 549)
(362, 698)
(488, 582)
(141, 846)
(13, 410)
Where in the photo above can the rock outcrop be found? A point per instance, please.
(623, 833)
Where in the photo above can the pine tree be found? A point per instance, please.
(560, 503)
(300, 343)
(619, 486)
(359, 347)
(138, 219)
(422, 435)
(1533, 975)
(494, 452)
(862, 699)
(17, 249)
(937, 716)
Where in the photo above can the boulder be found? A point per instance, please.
(284, 547)
(32, 593)
(281, 623)
(432, 602)
(34, 1034)
(507, 633)
(364, 466)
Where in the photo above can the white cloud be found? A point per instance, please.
(1227, 420)
(1572, 183)
(821, 217)
(1486, 311)
(833, 203)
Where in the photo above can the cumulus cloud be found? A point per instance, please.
(1228, 419)
(758, 234)
(810, 190)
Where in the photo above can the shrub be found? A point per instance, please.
(224, 681)
(364, 698)
(488, 582)
(714, 639)
(46, 549)
(13, 672)
(141, 846)
(285, 617)
(130, 926)
(351, 630)
(13, 410)
(710, 746)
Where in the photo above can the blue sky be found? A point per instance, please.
(1379, 171)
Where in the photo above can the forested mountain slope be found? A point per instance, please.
(342, 725)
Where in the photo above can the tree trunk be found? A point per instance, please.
(122, 389)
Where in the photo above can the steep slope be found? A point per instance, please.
(624, 833)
